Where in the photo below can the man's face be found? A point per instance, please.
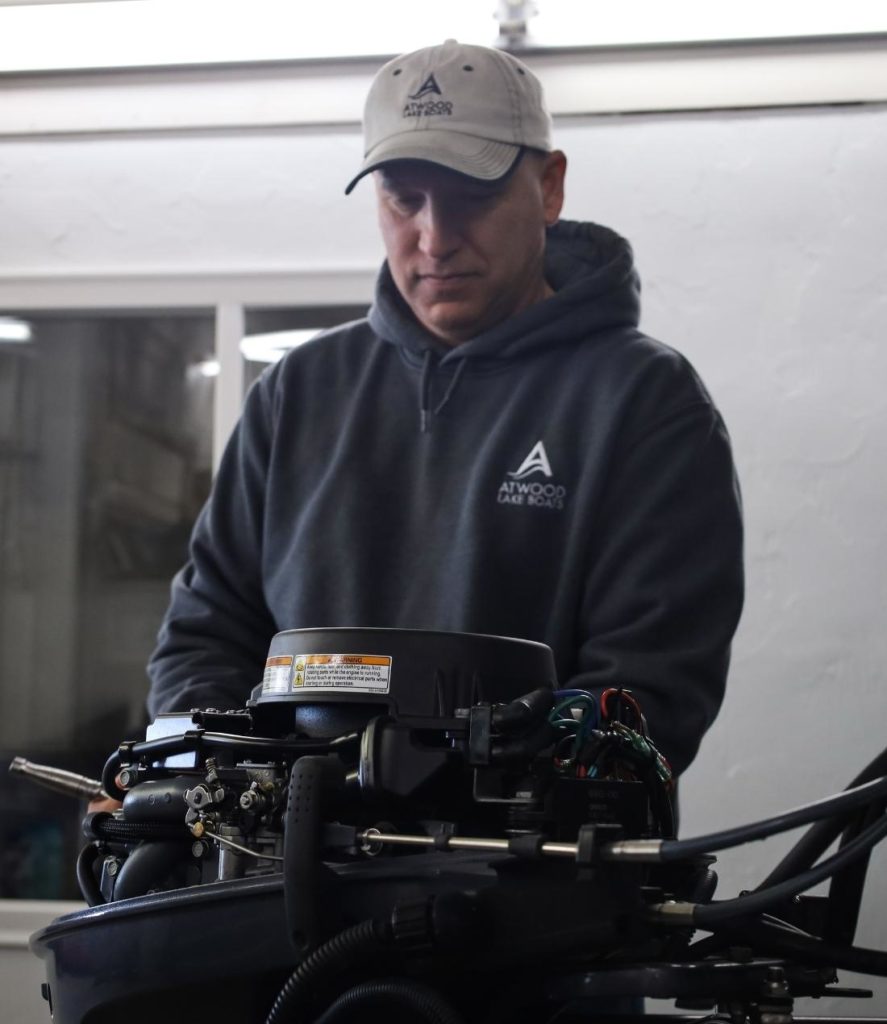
(464, 254)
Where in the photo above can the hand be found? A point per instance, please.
(104, 804)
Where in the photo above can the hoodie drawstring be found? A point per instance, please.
(425, 390)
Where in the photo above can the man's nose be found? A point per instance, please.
(438, 236)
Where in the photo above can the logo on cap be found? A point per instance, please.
(419, 106)
(429, 85)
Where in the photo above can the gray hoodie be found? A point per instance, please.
(561, 478)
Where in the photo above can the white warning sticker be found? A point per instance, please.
(277, 674)
(358, 673)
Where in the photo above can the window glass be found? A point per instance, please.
(270, 333)
(105, 460)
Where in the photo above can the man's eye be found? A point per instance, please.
(406, 202)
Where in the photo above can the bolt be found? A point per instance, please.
(775, 981)
(252, 801)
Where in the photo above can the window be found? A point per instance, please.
(270, 332)
(105, 460)
(106, 456)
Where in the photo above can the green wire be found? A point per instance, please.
(579, 727)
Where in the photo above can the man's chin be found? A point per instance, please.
(454, 327)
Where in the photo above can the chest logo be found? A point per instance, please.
(535, 462)
(542, 492)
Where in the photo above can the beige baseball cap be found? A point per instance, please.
(469, 108)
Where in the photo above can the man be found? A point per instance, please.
(495, 449)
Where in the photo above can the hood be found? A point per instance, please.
(591, 269)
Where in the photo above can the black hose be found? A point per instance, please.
(197, 739)
(147, 866)
(818, 839)
(424, 1002)
(846, 887)
(771, 937)
(109, 777)
(101, 825)
(344, 951)
(735, 935)
(86, 880)
(711, 915)
(520, 714)
(831, 806)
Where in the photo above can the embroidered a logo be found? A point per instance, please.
(423, 102)
(535, 462)
(429, 85)
(538, 493)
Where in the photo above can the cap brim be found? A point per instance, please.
(482, 159)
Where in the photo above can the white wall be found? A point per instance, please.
(22, 973)
(762, 241)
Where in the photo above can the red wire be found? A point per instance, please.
(625, 696)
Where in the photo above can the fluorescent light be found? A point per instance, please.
(269, 348)
(567, 23)
(15, 331)
(146, 33)
(157, 33)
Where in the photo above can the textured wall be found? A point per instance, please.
(762, 241)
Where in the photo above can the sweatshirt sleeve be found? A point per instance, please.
(664, 587)
(214, 639)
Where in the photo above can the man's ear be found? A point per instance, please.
(554, 170)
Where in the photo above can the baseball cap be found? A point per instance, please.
(465, 107)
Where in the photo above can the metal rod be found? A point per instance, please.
(238, 847)
(372, 835)
(635, 850)
(59, 780)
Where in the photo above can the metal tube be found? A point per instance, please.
(59, 780)
(372, 835)
(639, 851)
(634, 850)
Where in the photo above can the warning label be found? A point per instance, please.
(359, 673)
(277, 675)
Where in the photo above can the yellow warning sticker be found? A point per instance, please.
(277, 674)
(358, 673)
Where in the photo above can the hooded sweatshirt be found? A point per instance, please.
(560, 478)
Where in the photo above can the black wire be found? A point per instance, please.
(713, 914)
(830, 806)
(736, 935)
(605, 750)
(344, 951)
(820, 837)
(846, 887)
(197, 739)
(772, 936)
(422, 1001)
(109, 777)
(86, 880)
